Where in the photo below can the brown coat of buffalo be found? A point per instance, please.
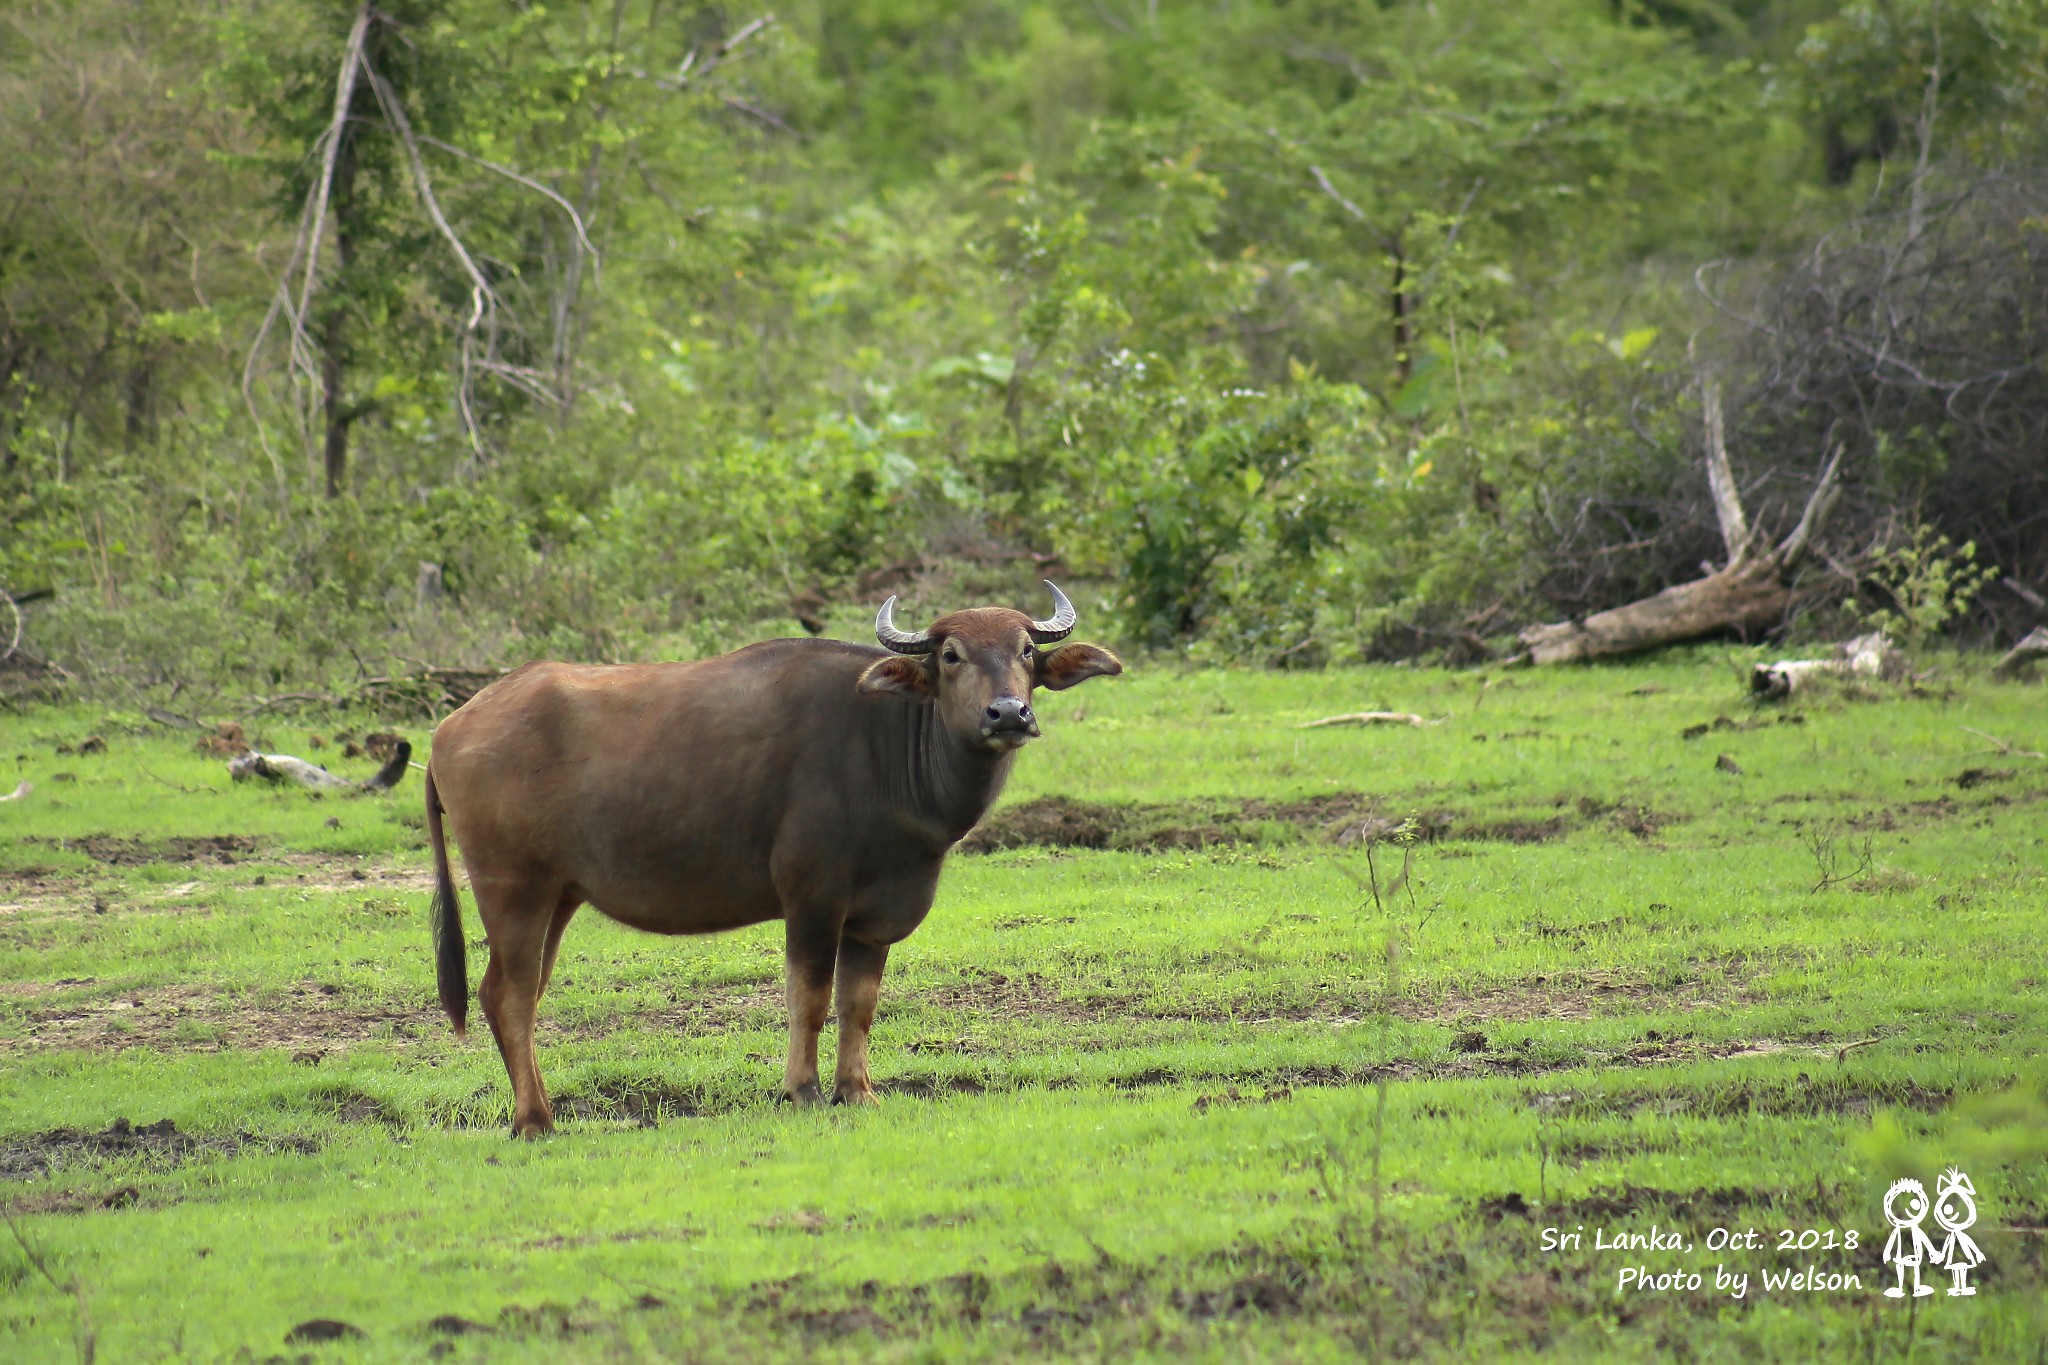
(813, 781)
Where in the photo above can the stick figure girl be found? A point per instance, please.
(1908, 1245)
(1955, 1208)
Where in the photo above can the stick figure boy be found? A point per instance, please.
(1955, 1208)
(1908, 1245)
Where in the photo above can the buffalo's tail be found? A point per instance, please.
(451, 954)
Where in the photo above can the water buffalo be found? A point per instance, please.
(813, 781)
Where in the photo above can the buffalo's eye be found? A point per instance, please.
(952, 655)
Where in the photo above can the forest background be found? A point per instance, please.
(337, 337)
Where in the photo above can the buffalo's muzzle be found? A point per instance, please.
(1008, 720)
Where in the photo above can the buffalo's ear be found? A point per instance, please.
(1070, 664)
(897, 676)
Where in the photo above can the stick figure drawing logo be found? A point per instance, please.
(1955, 1209)
(1909, 1247)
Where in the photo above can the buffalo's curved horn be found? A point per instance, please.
(902, 641)
(1063, 618)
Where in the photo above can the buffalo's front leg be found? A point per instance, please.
(810, 949)
(860, 984)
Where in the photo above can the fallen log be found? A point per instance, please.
(2033, 646)
(1870, 656)
(286, 768)
(1750, 593)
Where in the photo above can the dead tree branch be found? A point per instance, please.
(301, 354)
(575, 218)
(483, 300)
(88, 1340)
(1748, 594)
(299, 283)
(1721, 479)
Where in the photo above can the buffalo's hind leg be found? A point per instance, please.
(860, 985)
(520, 920)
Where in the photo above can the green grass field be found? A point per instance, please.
(1188, 1069)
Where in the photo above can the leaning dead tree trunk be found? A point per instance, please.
(1750, 593)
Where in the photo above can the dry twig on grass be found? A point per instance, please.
(1370, 718)
(2002, 746)
(88, 1340)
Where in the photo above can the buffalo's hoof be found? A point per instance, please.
(533, 1129)
(804, 1096)
(856, 1095)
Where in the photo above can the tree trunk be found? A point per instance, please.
(1404, 363)
(334, 335)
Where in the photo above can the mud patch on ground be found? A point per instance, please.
(81, 1201)
(116, 851)
(1805, 1096)
(310, 1018)
(1338, 817)
(350, 1105)
(324, 872)
(1684, 1207)
(919, 1012)
(645, 1102)
(158, 1144)
(720, 1009)
(1578, 995)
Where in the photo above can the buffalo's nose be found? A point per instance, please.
(1009, 713)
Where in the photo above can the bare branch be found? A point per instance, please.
(1458, 218)
(690, 71)
(337, 128)
(1735, 532)
(755, 111)
(483, 299)
(1336, 194)
(88, 1340)
(1818, 506)
(575, 218)
(301, 355)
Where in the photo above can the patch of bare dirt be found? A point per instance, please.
(719, 1009)
(645, 1102)
(323, 872)
(158, 1144)
(1336, 817)
(1818, 1094)
(117, 851)
(1685, 1207)
(78, 1201)
(312, 1017)
(43, 892)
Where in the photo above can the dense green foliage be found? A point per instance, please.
(1130, 1109)
(1298, 332)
